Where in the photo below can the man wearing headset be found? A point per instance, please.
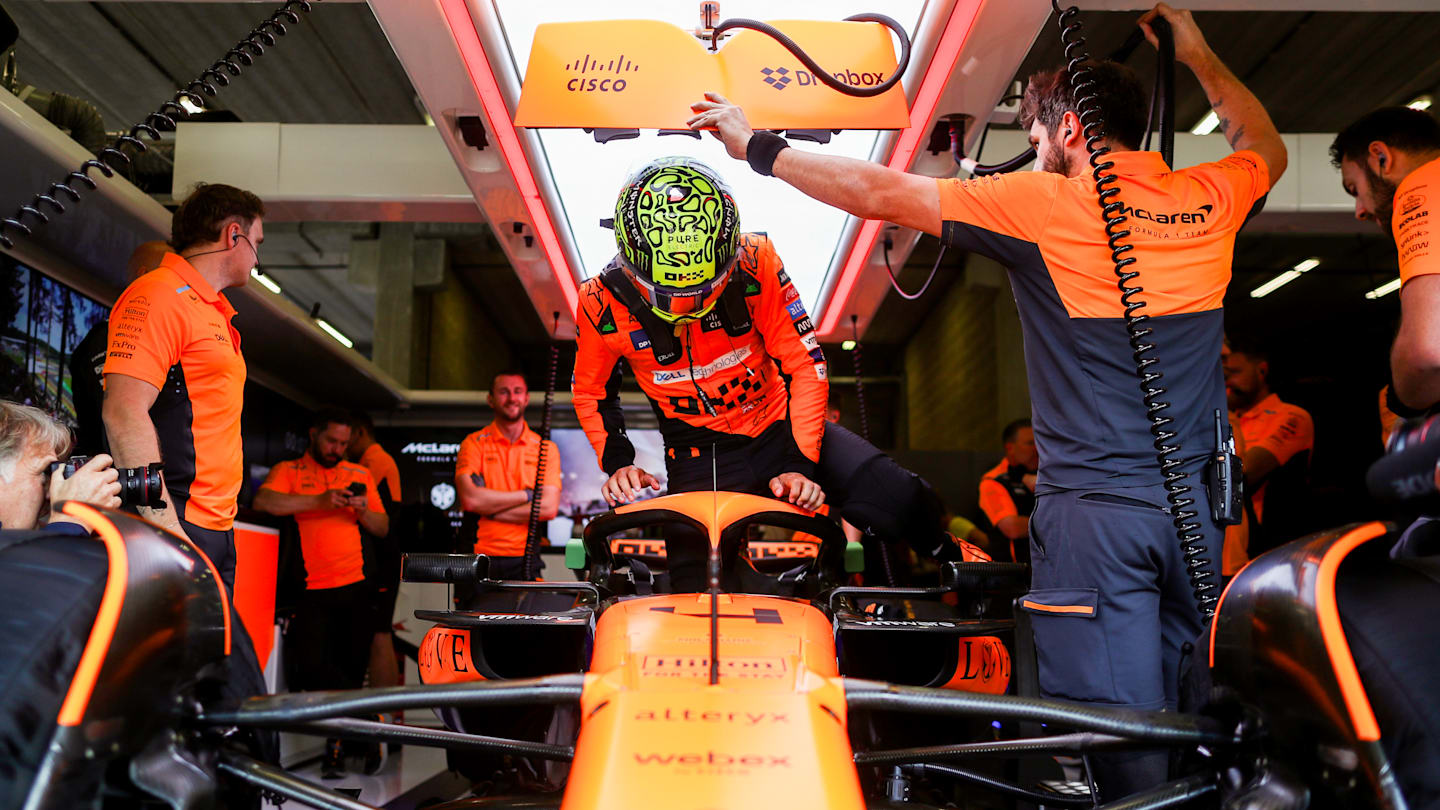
(1111, 602)
(174, 375)
(1389, 161)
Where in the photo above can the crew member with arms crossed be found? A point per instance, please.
(495, 477)
(327, 646)
(720, 342)
(1112, 603)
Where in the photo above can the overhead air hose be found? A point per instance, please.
(114, 156)
(1092, 123)
(825, 78)
(810, 64)
(532, 536)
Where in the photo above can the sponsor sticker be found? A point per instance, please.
(796, 310)
(804, 325)
(809, 341)
(784, 277)
(698, 666)
(821, 372)
(724, 361)
(817, 355)
(639, 339)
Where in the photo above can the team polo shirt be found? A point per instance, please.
(171, 329)
(382, 469)
(1091, 428)
(995, 500)
(1413, 221)
(494, 462)
(329, 538)
(1283, 429)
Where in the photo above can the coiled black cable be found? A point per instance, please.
(114, 156)
(1177, 492)
(859, 382)
(814, 67)
(532, 537)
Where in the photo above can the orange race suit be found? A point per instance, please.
(713, 382)
(740, 396)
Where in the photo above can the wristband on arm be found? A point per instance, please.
(763, 149)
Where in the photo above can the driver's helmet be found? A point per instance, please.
(678, 230)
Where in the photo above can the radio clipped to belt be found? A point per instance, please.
(1225, 476)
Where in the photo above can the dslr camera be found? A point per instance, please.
(139, 486)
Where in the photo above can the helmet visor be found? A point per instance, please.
(679, 304)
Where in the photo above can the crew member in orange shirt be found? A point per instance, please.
(1279, 439)
(495, 477)
(174, 375)
(384, 556)
(1389, 161)
(327, 645)
(1107, 568)
(1007, 492)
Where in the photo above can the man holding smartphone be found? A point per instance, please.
(327, 645)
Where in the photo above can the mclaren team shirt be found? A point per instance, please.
(171, 329)
(1413, 222)
(1090, 422)
(329, 538)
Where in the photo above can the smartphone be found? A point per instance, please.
(357, 489)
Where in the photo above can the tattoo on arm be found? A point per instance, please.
(1235, 139)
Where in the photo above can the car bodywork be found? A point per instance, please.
(741, 693)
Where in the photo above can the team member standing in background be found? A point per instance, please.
(384, 552)
(1007, 492)
(327, 645)
(495, 477)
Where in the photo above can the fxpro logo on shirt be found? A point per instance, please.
(724, 361)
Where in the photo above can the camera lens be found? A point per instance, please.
(140, 486)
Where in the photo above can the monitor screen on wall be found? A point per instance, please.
(42, 322)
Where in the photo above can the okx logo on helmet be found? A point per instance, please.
(678, 229)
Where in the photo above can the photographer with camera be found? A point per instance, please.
(327, 645)
(31, 444)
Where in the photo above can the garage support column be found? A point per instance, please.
(403, 271)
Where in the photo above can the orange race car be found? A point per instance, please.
(686, 670)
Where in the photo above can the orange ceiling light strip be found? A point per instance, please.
(947, 53)
(472, 51)
(82, 685)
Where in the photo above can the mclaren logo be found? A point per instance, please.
(429, 449)
(1169, 218)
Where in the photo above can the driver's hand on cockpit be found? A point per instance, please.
(798, 489)
(626, 483)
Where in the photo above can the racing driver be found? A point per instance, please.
(721, 344)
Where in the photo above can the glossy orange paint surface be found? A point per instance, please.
(654, 732)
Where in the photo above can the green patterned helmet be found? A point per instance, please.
(678, 230)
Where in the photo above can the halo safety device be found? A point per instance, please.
(678, 230)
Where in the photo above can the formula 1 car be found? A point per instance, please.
(705, 675)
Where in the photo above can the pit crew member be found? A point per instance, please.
(1111, 600)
